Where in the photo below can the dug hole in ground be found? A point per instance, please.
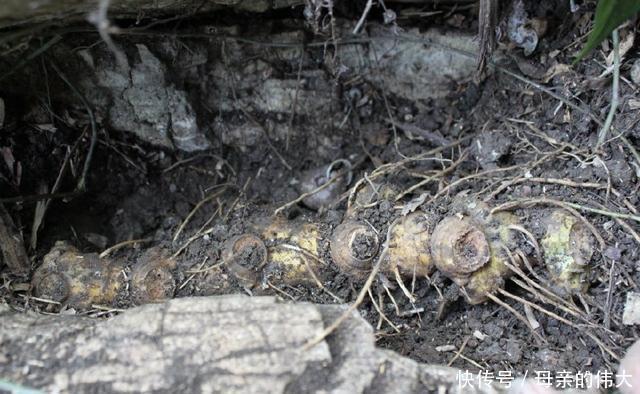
(317, 196)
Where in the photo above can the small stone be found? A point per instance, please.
(492, 352)
(513, 352)
(472, 343)
(445, 348)
(550, 358)
(68, 312)
(389, 16)
(635, 72)
(479, 335)
(631, 314)
(613, 253)
(493, 330)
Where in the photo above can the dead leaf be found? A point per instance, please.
(48, 127)
(556, 69)
(414, 204)
(625, 45)
(38, 216)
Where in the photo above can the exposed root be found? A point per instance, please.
(81, 186)
(193, 274)
(549, 297)
(363, 17)
(345, 315)
(100, 20)
(516, 314)
(280, 291)
(532, 240)
(306, 254)
(122, 244)
(197, 208)
(406, 291)
(435, 177)
(583, 330)
(361, 295)
(378, 309)
(201, 233)
(459, 352)
(393, 300)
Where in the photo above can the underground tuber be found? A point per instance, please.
(79, 280)
(275, 250)
(409, 241)
(568, 246)
(152, 278)
(294, 247)
(472, 249)
(245, 255)
(353, 246)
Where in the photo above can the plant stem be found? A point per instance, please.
(602, 135)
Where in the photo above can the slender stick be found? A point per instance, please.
(367, 8)
(602, 135)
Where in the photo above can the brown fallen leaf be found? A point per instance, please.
(556, 69)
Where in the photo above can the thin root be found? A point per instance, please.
(516, 314)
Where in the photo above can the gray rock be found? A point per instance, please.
(145, 103)
(211, 344)
(417, 68)
(613, 253)
(488, 148)
(520, 30)
(631, 313)
(635, 72)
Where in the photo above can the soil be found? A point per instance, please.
(364, 247)
(513, 143)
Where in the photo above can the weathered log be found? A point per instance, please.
(213, 344)
(20, 11)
